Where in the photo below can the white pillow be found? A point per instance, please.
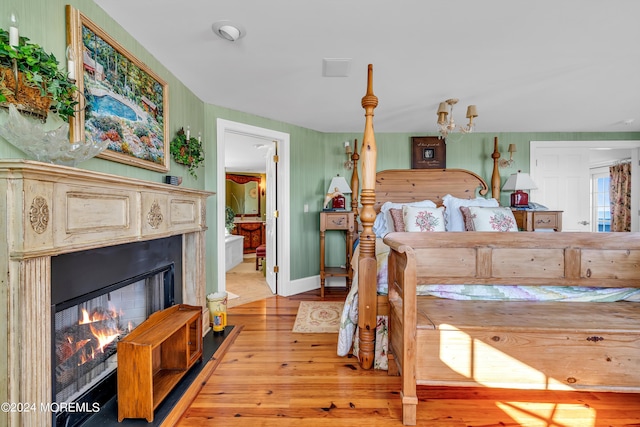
(383, 223)
(380, 225)
(423, 218)
(493, 219)
(452, 215)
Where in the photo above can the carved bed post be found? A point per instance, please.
(355, 180)
(495, 176)
(367, 266)
(355, 189)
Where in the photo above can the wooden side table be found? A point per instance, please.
(529, 220)
(343, 221)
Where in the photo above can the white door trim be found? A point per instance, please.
(283, 199)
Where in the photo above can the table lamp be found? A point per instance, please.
(335, 194)
(518, 182)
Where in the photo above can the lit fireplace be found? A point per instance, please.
(90, 321)
(50, 215)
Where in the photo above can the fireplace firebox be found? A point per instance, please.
(98, 297)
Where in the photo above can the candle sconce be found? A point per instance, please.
(348, 164)
(504, 163)
(187, 150)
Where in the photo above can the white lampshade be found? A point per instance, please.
(519, 181)
(340, 183)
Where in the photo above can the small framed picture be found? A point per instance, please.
(428, 152)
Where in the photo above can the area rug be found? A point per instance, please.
(318, 317)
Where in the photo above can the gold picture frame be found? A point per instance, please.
(122, 100)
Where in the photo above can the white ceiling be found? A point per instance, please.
(529, 66)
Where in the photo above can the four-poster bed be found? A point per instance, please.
(543, 342)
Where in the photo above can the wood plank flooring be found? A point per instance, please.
(271, 376)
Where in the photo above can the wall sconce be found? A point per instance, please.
(446, 124)
(516, 183)
(504, 163)
(348, 151)
(335, 194)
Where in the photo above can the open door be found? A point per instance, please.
(271, 218)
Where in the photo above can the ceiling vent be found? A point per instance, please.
(336, 67)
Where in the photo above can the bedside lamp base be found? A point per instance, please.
(519, 199)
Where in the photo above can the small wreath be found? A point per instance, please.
(187, 152)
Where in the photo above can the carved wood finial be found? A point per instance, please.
(495, 176)
(355, 181)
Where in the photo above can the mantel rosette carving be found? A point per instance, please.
(154, 217)
(39, 214)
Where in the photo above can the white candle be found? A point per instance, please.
(199, 137)
(188, 133)
(71, 68)
(14, 38)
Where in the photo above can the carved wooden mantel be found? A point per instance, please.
(47, 210)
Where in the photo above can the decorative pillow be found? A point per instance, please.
(466, 216)
(423, 218)
(383, 223)
(398, 220)
(453, 216)
(492, 219)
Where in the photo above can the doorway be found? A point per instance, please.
(277, 224)
(562, 172)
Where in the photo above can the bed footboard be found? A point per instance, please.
(601, 341)
(402, 325)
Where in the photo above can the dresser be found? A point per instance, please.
(530, 220)
(253, 233)
(340, 221)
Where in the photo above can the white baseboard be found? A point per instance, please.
(311, 283)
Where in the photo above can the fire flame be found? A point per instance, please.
(104, 337)
(103, 326)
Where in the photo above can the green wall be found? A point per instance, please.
(314, 156)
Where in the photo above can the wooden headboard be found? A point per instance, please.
(414, 185)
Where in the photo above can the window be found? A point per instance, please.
(600, 206)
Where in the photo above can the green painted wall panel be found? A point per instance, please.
(315, 156)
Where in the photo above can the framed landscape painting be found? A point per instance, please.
(124, 101)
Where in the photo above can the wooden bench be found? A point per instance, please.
(527, 345)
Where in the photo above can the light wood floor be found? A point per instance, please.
(272, 377)
(247, 282)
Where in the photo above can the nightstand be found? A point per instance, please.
(530, 220)
(341, 221)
